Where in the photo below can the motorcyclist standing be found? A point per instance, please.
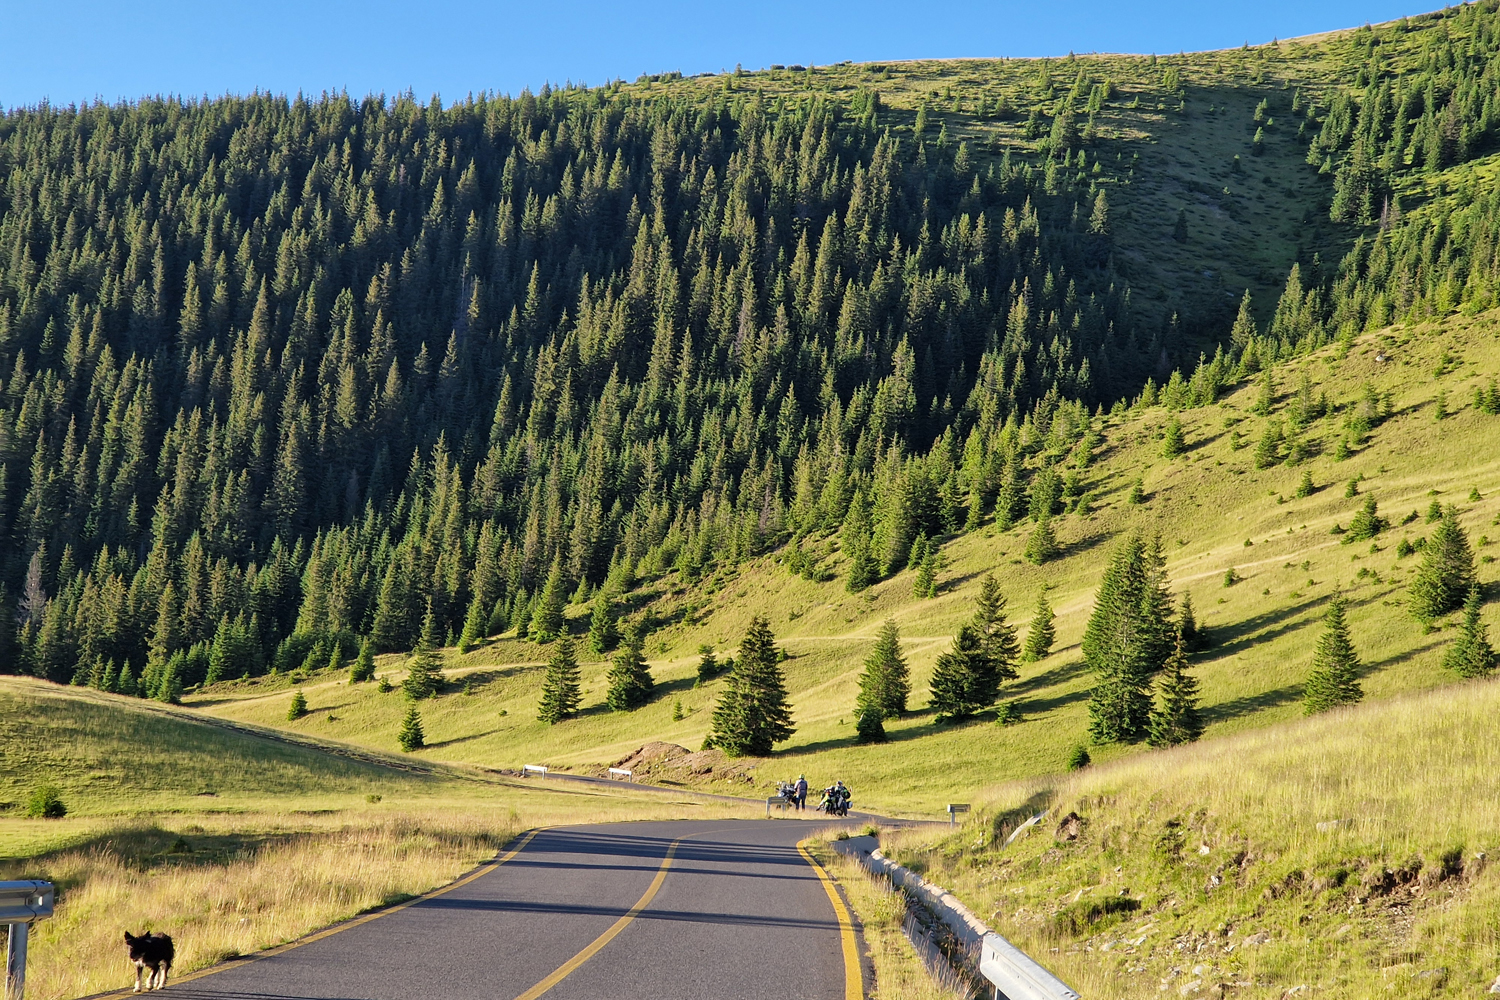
(801, 789)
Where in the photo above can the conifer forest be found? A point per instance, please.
(280, 376)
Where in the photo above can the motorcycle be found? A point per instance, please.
(835, 802)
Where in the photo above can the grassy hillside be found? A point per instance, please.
(1214, 510)
(1351, 855)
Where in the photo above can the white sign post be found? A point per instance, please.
(954, 808)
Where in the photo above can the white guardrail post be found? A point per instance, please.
(533, 769)
(1016, 976)
(954, 808)
(622, 773)
(21, 903)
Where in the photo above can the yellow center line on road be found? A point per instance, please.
(854, 984)
(572, 964)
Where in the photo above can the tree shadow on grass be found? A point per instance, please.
(1235, 637)
(1047, 678)
(461, 739)
(1252, 703)
(1086, 543)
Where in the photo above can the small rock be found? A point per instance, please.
(1201, 970)
(1203, 848)
(1192, 987)
(1070, 827)
(1495, 986)
(1343, 930)
(1261, 938)
(1295, 991)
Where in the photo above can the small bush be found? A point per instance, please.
(298, 707)
(1079, 758)
(46, 803)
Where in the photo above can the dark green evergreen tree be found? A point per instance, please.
(363, 668)
(424, 671)
(630, 681)
(1175, 720)
(1041, 634)
(869, 727)
(1173, 441)
(1122, 643)
(995, 632)
(752, 714)
(1334, 678)
(885, 683)
(1470, 654)
(298, 707)
(547, 618)
(410, 737)
(1447, 571)
(603, 633)
(708, 664)
(562, 692)
(964, 680)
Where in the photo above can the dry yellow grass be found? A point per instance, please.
(899, 973)
(1219, 847)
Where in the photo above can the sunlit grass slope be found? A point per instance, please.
(1213, 509)
(1351, 854)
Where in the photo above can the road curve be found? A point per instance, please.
(683, 910)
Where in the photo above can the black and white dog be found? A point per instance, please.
(150, 951)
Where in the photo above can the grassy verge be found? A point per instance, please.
(1349, 854)
(899, 973)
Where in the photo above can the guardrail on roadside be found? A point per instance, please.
(624, 774)
(21, 903)
(533, 769)
(1013, 974)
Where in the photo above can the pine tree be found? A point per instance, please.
(364, 664)
(964, 680)
(752, 714)
(885, 683)
(410, 737)
(996, 634)
(1365, 524)
(474, 625)
(869, 727)
(1011, 497)
(1471, 654)
(298, 707)
(1447, 570)
(1173, 442)
(561, 690)
(708, 664)
(630, 681)
(1334, 679)
(1041, 634)
(1187, 624)
(925, 556)
(603, 633)
(547, 619)
(1176, 720)
(424, 671)
(1042, 545)
(1121, 644)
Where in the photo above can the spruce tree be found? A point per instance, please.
(298, 707)
(363, 668)
(1011, 497)
(1122, 641)
(1176, 720)
(996, 634)
(603, 633)
(424, 675)
(474, 625)
(857, 542)
(869, 727)
(1365, 524)
(885, 683)
(1187, 624)
(1041, 634)
(630, 681)
(1334, 679)
(1173, 442)
(410, 737)
(708, 664)
(1042, 545)
(1471, 654)
(752, 714)
(1447, 570)
(547, 619)
(964, 680)
(561, 690)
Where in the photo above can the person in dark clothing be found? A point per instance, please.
(801, 788)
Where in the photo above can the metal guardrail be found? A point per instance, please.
(21, 903)
(1016, 976)
(954, 808)
(533, 769)
(624, 774)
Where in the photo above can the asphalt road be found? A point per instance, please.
(689, 910)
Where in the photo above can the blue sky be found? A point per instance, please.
(74, 50)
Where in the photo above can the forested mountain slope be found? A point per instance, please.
(284, 374)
